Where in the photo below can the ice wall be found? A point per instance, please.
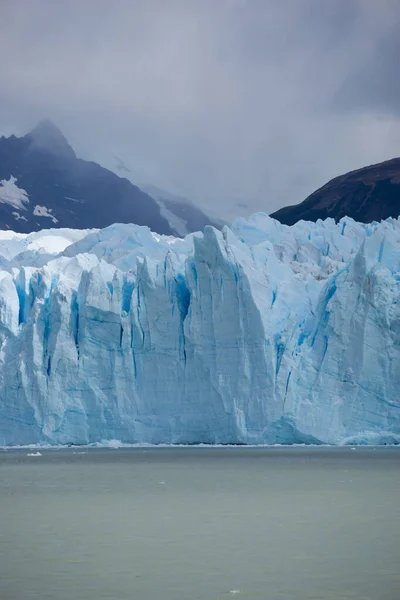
(261, 333)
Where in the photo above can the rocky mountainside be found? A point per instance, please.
(43, 184)
(368, 194)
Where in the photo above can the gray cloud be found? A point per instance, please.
(241, 105)
(374, 84)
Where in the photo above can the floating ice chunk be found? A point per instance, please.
(114, 444)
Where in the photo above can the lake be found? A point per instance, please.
(201, 523)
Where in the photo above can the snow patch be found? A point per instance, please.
(51, 244)
(19, 217)
(79, 200)
(46, 241)
(43, 211)
(11, 194)
(176, 223)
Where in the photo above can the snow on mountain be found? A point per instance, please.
(43, 211)
(259, 333)
(182, 215)
(176, 223)
(11, 194)
(55, 186)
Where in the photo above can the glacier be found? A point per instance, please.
(257, 334)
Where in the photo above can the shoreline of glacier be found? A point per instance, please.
(196, 446)
(366, 441)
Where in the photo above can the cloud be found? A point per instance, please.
(373, 84)
(241, 105)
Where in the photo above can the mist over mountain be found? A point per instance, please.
(44, 184)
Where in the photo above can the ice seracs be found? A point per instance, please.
(259, 333)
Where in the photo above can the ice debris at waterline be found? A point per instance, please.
(261, 333)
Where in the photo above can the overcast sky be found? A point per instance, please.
(240, 105)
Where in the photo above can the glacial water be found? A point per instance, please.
(281, 523)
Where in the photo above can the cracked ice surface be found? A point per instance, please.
(261, 333)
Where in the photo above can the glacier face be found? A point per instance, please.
(261, 333)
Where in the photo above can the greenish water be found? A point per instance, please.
(200, 523)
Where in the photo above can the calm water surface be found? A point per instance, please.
(200, 523)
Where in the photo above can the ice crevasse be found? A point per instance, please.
(259, 333)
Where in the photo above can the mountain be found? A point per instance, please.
(44, 184)
(259, 333)
(182, 215)
(368, 194)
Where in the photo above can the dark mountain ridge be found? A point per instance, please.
(368, 194)
(64, 190)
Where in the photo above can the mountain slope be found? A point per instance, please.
(182, 215)
(368, 194)
(44, 184)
